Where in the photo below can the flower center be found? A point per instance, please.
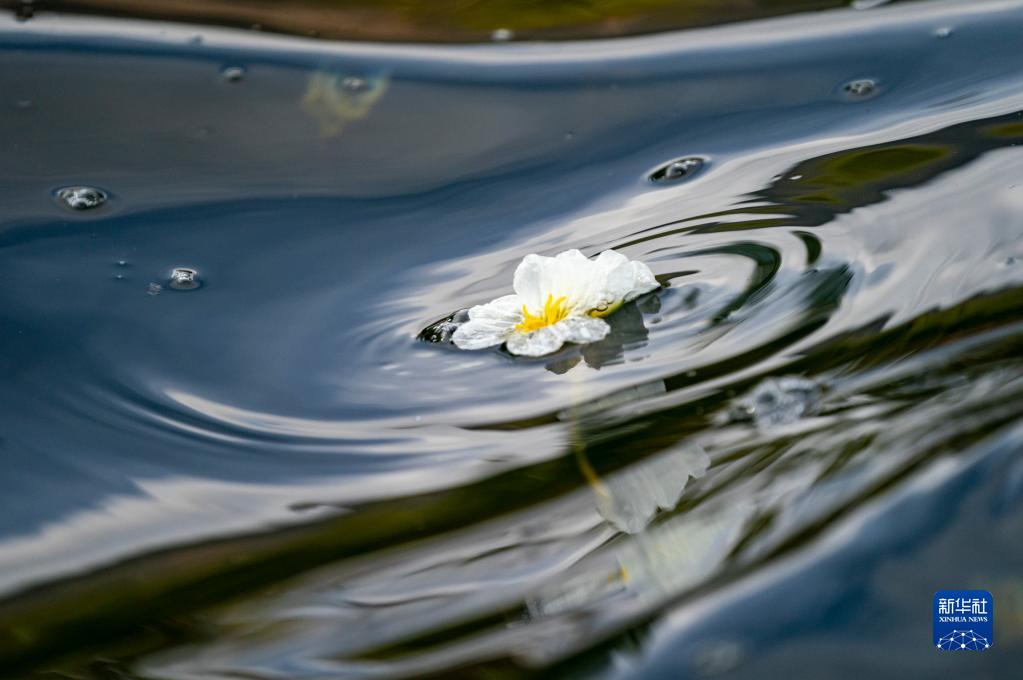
(553, 312)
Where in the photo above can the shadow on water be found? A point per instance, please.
(229, 456)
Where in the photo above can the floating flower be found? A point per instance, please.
(557, 300)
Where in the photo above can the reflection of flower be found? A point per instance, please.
(630, 498)
(557, 300)
(627, 331)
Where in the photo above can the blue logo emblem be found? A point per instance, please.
(964, 620)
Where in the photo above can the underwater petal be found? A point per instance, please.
(582, 329)
(489, 324)
(535, 344)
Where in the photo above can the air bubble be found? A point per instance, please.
(683, 168)
(82, 198)
(502, 35)
(154, 289)
(861, 88)
(25, 11)
(354, 84)
(942, 32)
(184, 278)
(232, 74)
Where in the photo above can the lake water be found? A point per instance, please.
(229, 452)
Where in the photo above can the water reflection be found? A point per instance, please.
(270, 475)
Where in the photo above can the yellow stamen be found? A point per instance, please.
(553, 312)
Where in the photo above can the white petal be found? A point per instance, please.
(569, 274)
(505, 309)
(535, 344)
(530, 281)
(643, 280)
(582, 329)
(613, 280)
(622, 279)
(489, 324)
(609, 259)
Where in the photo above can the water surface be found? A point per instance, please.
(268, 475)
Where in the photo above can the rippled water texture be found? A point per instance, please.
(227, 455)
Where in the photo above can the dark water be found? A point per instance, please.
(769, 466)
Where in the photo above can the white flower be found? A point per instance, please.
(557, 300)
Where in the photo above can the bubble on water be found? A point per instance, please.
(23, 103)
(677, 170)
(568, 136)
(82, 197)
(184, 278)
(502, 34)
(868, 4)
(942, 32)
(795, 178)
(195, 40)
(778, 401)
(154, 288)
(122, 263)
(25, 10)
(861, 88)
(354, 84)
(232, 74)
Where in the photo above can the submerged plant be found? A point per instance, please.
(335, 100)
(557, 300)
